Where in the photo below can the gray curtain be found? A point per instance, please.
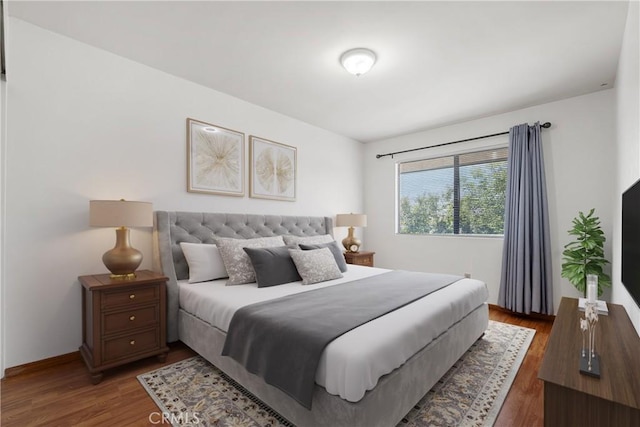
(525, 283)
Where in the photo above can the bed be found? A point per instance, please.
(457, 316)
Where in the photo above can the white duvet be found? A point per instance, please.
(354, 362)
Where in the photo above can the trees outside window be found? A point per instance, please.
(459, 194)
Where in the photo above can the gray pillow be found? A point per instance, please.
(315, 266)
(237, 262)
(290, 239)
(273, 266)
(335, 250)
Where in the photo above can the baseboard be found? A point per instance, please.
(548, 317)
(39, 365)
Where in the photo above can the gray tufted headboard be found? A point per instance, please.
(171, 228)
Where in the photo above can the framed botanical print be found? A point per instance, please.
(273, 169)
(215, 159)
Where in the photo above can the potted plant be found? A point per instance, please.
(585, 255)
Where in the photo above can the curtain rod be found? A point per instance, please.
(378, 156)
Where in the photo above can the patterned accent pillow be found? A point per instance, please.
(237, 262)
(205, 262)
(335, 250)
(315, 266)
(290, 239)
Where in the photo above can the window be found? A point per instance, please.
(459, 194)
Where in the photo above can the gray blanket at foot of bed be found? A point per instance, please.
(282, 340)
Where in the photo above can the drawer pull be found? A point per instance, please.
(132, 342)
(132, 318)
(132, 296)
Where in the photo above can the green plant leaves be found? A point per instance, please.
(585, 255)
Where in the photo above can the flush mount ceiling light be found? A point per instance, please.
(358, 61)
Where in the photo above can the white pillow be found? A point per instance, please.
(290, 239)
(205, 262)
(236, 260)
(314, 266)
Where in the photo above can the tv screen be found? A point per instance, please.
(631, 241)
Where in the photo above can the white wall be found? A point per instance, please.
(628, 147)
(3, 131)
(3, 110)
(86, 124)
(579, 162)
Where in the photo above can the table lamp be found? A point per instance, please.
(351, 243)
(123, 259)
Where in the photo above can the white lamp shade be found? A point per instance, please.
(351, 220)
(120, 213)
(358, 61)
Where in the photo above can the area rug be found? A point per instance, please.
(194, 392)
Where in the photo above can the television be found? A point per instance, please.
(631, 241)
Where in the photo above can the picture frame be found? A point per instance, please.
(273, 169)
(215, 159)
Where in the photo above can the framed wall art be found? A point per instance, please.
(273, 169)
(215, 159)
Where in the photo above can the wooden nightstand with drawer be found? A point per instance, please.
(359, 258)
(122, 320)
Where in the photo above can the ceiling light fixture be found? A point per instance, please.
(358, 61)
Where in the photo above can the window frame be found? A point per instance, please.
(456, 191)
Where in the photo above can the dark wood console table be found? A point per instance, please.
(573, 399)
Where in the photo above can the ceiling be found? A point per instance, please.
(438, 62)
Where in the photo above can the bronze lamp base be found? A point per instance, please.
(123, 260)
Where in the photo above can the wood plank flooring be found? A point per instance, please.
(63, 395)
(524, 403)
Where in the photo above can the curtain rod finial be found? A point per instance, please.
(546, 125)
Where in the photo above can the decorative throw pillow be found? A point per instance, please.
(205, 262)
(315, 266)
(290, 239)
(237, 262)
(335, 250)
(273, 266)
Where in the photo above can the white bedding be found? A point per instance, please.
(354, 362)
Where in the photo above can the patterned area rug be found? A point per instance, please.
(194, 392)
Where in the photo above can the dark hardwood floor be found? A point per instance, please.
(63, 395)
(523, 406)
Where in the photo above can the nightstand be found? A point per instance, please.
(359, 258)
(122, 320)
